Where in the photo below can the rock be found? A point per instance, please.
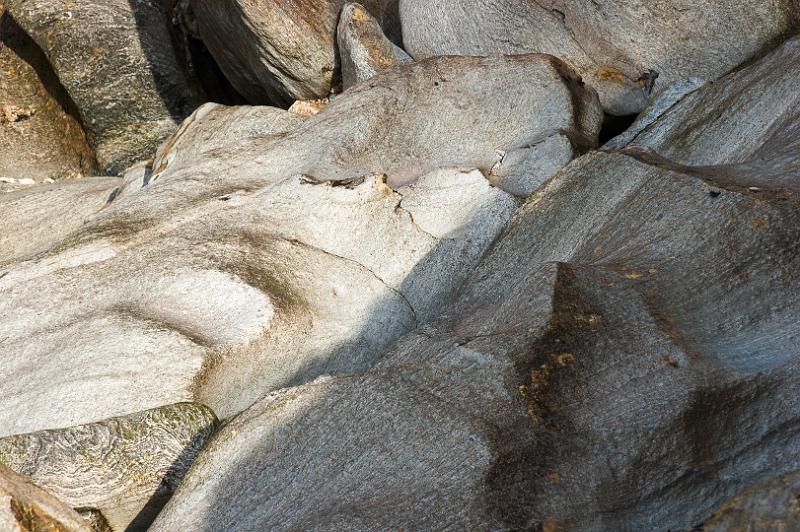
(126, 468)
(25, 507)
(299, 249)
(627, 50)
(306, 108)
(275, 51)
(37, 217)
(363, 48)
(116, 60)
(770, 505)
(40, 136)
(624, 357)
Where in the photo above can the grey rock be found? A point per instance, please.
(126, 468)
(275, 51)
(773, 505)
(28, 508)
(297, 246)
(116, 60)
(40, 136)
(613, 44)
(364, 50)
(625, 357)
(36, 217)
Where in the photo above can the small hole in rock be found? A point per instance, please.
(615, 125)
(714, 193)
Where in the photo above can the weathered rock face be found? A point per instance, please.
(771, 505)
(27, 508)
(364, 50)
(618, 46)
(40, 136)
(116, 60)
(305, 249)
(275, 51)
(125, 467)
(627, 365)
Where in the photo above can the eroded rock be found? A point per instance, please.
(625, 357)
(116, 60)
(298, 246)
(627, 50)
(125, 468)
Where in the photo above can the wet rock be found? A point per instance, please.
(40, 136)
(771, 505)
(363, 48)
(25, 507)
(624, 357)
(125, 468)
(627, 50)
(298, 246)
(275, 51)
(116, 60)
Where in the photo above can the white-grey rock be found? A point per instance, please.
(296, 246)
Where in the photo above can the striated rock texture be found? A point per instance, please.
(624, 357)
(364, 50)
(771, 506)
(305, 249)
(126, 468)
(618, 46)
(275, 51)
(27, 508)
(41, 137)
(116, 60)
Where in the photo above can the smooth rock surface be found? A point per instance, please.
(275, 51)
(364, 50)
(297, 249)
(613, 44)
(116, 60)
(126, 468)
(35, 217)
(625, 357)
(41, 137)
(27, 508)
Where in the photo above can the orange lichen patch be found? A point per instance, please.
(671, 361)
(633, 275)
(592, 320)
(539, 377)
(610, 73)
(523, 390)
(551, 525)
(759, 223)
(554, 477)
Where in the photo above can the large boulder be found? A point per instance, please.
(275, 51)
(41, 137)
(296, 246)
(628, 50)
(28, 508)
(126, 468)
(116, 60)
(625, 357)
